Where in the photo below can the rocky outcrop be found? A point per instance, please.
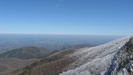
(122, 63)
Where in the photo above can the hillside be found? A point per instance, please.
(75, 46)
(27, 53)
(52, 65)
(10, 64)
(97, 60)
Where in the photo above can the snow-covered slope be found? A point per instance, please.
(95, 60)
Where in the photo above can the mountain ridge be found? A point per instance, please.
(75, 46)
(26, 53)
(85, 61)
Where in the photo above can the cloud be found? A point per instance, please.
(58, 3)
(61, 0)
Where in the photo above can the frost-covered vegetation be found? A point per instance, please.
(94, 60)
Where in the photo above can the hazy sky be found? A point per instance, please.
(92, 17)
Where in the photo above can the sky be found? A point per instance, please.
(82, 17)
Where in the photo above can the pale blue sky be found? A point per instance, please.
(89, 17)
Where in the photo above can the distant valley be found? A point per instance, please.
(52, 42)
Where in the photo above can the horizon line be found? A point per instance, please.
(62, 34)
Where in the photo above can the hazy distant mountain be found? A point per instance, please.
(52, 42)
(27, 53)
(76, 46)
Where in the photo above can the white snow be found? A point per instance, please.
(94, 60)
